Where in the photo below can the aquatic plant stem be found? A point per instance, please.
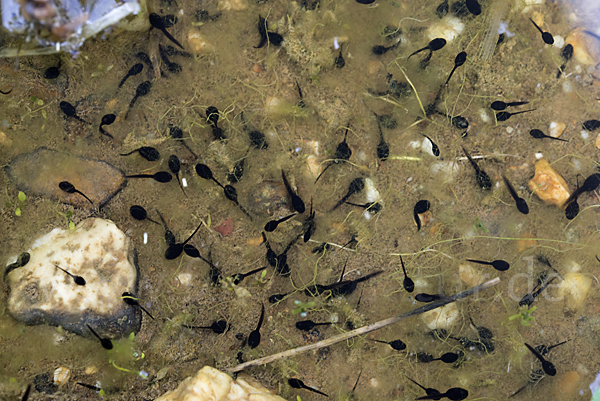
(366, 329)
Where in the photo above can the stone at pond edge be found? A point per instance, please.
(38, 174)
(209, 384)
(548, 185)
(97, 251)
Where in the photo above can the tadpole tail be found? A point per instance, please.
(323, 172)
(172, 39)
(103, 132)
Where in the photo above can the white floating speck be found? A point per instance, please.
(145, 238)
(539, 155)
(566, 86)
(483, 114)
(585, 134)
(367, 215)
(336, 45)
(509, 130)
(414, 144)
(184, 182)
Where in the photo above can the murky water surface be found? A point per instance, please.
(227, 71)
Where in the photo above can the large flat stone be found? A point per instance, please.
(38, 174)
(96, 250)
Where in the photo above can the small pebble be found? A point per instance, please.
(556, 129)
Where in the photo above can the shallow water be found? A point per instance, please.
(467, 222)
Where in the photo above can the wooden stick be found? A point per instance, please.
(366, 329)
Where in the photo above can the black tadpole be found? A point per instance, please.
(141, 90)
(135, 70)
(505, 115)
(498, 264)
(572, 209)
(52, 72)
(442, 9)
(499, 105)
(372, 207)
(427, 298)
(398, 345)
(448, 357)
(453, 394)
(131, 300)
(174, 250)
(481, 176)
(407, 283)
(521, 203)
(272, 224)
(297, 202)
(239, 277)
(567, 53)
(297, 383)
(434, 45)
(421, 207)
(159, 23)
(460, 59)
(342, 153)
(546, 36)
(147, 152)
(218, 327)
(77, 279)
(266, 36)
(548, 366)
(175, 167)
(428, 391)
(177, 133)
(212, 116)
(254, 336)
(22, 260)
(474, 7)
(356, 185)
(70, 111)
(339, 60)
(538, 134)
(380, 49)
(107, 119)
(70, 189)
(214, 273)
(308, 325)
(257, 138)
(139, 213)
(105, 342)
(161, 176)
(383, 149)
(308, 228)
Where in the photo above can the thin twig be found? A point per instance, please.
(366, 329)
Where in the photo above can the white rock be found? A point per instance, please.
(95, 250)
(427, 147)
(441, 318)
(448, 28)
(371, 192)
(209, 384)
(574, 289)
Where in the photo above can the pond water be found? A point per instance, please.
(306, 100)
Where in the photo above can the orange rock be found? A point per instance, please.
(567, 386)
(548, 185)
(254, 241)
